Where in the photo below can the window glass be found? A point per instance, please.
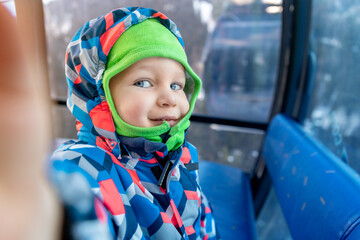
(63, 122)
(240, 59)
(233, 45)
(234, 146)
(334, 114)
(271, 223)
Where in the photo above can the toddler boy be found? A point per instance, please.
(132, 93)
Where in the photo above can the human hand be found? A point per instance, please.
(29, 209)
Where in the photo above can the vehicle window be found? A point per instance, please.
(232, 45)
(240, 60)
(334, 114)
(238, 147)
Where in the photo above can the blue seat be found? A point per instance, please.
(229, 192)
(318, 193)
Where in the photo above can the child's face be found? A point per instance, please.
(150, 91)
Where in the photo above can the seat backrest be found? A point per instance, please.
(318, 193)
(229, 192)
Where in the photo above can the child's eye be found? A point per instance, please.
(176, 86)
(143, 84)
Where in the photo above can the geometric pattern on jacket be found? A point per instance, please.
(139, 190)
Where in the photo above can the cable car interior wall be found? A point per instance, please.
(318, 193)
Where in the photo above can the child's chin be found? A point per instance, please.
(172, 122)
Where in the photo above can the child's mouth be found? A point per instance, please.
(171, 120)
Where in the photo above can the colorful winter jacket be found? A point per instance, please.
(117, 187)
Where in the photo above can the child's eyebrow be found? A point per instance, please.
(148, 69)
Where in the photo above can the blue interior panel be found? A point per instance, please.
(228, 190)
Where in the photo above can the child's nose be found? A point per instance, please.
(166, 98)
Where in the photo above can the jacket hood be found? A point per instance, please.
(85, 63)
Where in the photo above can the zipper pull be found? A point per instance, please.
(162, 180)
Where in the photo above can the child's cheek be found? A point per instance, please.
(135, 115)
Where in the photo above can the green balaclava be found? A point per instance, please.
(150, 39)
